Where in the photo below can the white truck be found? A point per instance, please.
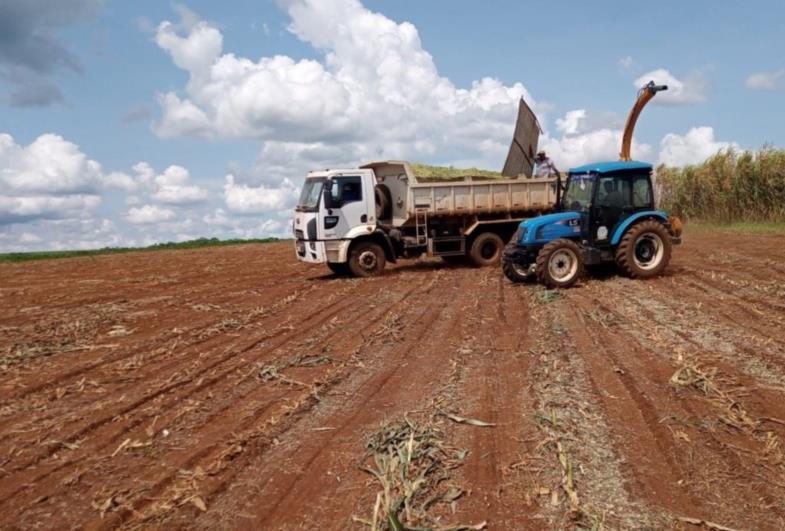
(356, 220)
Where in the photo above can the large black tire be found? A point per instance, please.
(515, 272)
(486, 249)
(366, 259)
(340, 269)
(559, 264)
(383, 202)
(645, 250)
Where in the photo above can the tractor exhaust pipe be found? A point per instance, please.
(644, 96)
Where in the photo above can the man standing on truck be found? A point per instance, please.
(544, 167)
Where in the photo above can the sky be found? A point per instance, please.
(131, 123)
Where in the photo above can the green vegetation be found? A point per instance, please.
(425, 172)
(731, 187)
(191, 244)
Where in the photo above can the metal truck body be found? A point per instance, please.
(355, 220)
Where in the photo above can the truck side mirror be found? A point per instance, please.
(328, 195)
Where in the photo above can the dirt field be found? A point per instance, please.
(235, 387)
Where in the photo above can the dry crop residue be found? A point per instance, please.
(234, 387)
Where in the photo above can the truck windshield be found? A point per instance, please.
(577, 197)
(309, 197)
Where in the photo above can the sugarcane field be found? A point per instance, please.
(363, 265)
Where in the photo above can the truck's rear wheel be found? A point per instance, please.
(340, 269)
(559, 263)
(486, 249)
(514, 271)
(644, 250)
(366, 259)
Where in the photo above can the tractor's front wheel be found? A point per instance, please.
(515, 272)
(559, 264)
(644, 250)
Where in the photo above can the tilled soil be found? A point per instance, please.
(234, 387)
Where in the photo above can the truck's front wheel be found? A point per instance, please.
(366, 259)
(341, 269)
(486, 249)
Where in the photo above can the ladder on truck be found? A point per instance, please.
(421, 225)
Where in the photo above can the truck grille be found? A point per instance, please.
(300, 235)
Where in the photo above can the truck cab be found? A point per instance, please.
(335, 206)
(607, 213)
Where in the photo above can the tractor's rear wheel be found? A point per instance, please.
(559, 264)
(514, 271)
(644, 250)
(486, 249)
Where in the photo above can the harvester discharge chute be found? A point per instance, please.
(520, 158)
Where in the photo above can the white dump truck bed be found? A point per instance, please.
(487, 197)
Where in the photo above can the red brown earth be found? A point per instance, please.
(233, 387)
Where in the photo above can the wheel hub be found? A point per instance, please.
(563, 264)
(648, 251)
(367, 260)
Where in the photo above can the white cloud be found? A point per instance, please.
(377, 93)
(173, 190)
(693, 148)
(31, 207)
(50, 164)
(687, 92)
(766, 80)
(626, 62)
(602, 144)
(28, 238)
(244, 199)
(149, 214)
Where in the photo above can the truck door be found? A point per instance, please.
(349, 206)
(613, 203)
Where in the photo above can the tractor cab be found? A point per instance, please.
(606, 214)
(605, 195)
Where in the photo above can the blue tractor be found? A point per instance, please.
(605, 214)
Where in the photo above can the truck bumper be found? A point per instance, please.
(319, 252)
(310, 252)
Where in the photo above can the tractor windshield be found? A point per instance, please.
(577, 196)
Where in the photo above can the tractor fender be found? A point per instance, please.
(630, 221)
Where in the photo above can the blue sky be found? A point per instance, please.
(265, 122)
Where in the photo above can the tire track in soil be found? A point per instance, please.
(165, 384)
(646, 374)
(160, 364)
(50, 380)
(286, 497)
(494, 388)
(108, 443)
(118, 430)
(305, 401)
(214, 429)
